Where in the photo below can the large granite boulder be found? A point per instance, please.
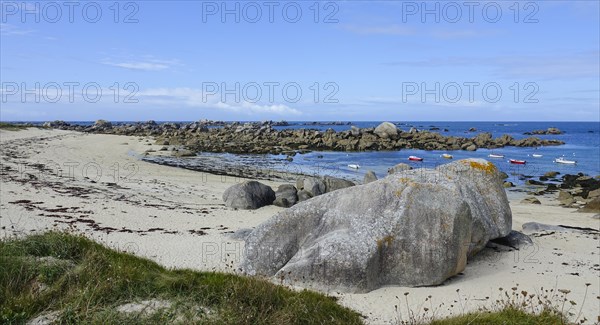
(248, 195)
(412, 228)
(386, 130)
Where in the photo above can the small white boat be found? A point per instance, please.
(562, 160)
(447, 156)
(495, 156)
(354, 166)
(537, 155)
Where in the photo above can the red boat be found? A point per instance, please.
(415, 158)
(517, 162)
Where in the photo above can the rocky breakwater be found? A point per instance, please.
(262, 137)
(411, 228)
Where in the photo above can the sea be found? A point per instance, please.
(582, 144)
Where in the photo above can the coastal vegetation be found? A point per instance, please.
(11, 126)
(70, 279)
(65, 278)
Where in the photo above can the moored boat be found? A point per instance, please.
(495, 156)
(354, 166)
(517, 161)
(537, 155)
(415, 158)
(561, 160)
(447, 156)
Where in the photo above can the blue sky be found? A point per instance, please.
(352, 60)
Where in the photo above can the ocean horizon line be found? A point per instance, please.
(301, 121)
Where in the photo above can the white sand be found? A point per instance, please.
(180, 201)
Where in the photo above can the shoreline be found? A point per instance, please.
(176, 217)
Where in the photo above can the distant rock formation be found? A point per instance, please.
(261, 137)
(545, 132)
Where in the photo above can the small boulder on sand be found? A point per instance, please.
(531, 200)
(286, 196)
(248, 195)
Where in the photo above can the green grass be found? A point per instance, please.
(11, 126)
(505, 316)
(86, 282)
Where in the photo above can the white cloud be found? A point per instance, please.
(12, 30)
(146, 63)
(195, 98)
(146, 66)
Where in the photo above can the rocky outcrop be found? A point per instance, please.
(545, 132)
(412, 228)
(579, 191)
(262, 137)
(248, 195)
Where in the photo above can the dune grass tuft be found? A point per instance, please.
(504, 316)
(80, 281)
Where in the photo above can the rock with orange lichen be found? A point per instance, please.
(413, 228)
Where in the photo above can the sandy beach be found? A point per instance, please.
(96, 185)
